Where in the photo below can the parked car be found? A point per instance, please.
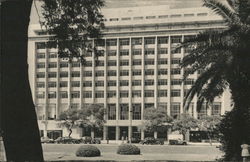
(90, 140)
(177, 142)
(67, 140)
(152, 141)
(46, 140)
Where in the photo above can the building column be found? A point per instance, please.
(142, 134)
(155, 134)
(117, 132)
(129, 133)
(105, 132)
(92, 133)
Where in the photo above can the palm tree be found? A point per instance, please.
(223, 56)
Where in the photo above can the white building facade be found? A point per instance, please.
(139, 69)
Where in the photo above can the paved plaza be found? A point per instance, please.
(57, 152)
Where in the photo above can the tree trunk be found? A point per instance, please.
(70, 132)
(19, 121)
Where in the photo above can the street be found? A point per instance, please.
(148, 152)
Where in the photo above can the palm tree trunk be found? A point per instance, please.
(19, 121)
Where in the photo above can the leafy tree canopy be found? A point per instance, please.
(184, 123)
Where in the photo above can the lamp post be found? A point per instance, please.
(130, 126)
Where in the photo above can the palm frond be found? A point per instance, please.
(234, 4)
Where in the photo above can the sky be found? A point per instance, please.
(131, 3)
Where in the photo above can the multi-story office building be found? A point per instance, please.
(139, 69)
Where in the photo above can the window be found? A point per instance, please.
(149, 62)
(124, 73)
(149, 82)
(124, 52)
(76, 64)
(162, 40)
(202, 14)
(162, 82)
(203, 111)
(88, 64)
(126, 18)
(163, 105)
(99, 73)
(52, 75)
(75, 74)
(75, 94)
(136, 62)
(216, 108)
(175, 109)
(75, 84)
(189, 82)
(40, 55)
(136, 72)
(149, 40)
(99, 42)
(176, 61)
(111, 83)
(124, 83)
(149, 72)
(176, 39)
(111, 42)
(51, 84)
(63, 74)
(136, 52)
(185, 92)
(176, 82)
(136, 93)
(52, 95)
(52, 55)
(123, 94)
(99, 83)
(87, 94)
(136, 82)
(149, 105)
(75, 105)
(175, 71)
(162, 51)
(40, 94)
(87, 73)
(123, 111)
(138, 18)
(136, 41)
(87, 84)
(63, 64)
(111, 111)
(150, 17)
(111, 94)
(175, 16)
(149, 51)
(188, 15)
(136, 108)
(163, 16)
(162, 93)
(188, 71)
(112, 73)
(52, 65)
(40, 45)
(40, 84)
(149, 93)
(162, 71)
(63, 94)
(162, 61)
(112, 53)
(40, 65)
(112, 63)
(175, 50)
(124, 63)
(63, 84)
(124, 42)
(99, 94)
(175, 93)
(113, 19)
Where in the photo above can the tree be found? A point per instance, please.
(209, 124)
(223, 56)
(16, 101)
(156, 120)
(91, 116)
(184, 123)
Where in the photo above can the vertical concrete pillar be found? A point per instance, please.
(155, 134)
(105, 132)
(92, 133)
(117, 132)
(129, 133)
(142, 134)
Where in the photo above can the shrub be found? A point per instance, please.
(128, 149)
(88, 151)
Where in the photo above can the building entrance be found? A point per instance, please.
(123, 132)
(111, 133)
(54, 134)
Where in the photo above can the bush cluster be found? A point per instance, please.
(88, 151)
(128, 149)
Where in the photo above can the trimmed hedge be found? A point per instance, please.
(88, 151)
(128, 149)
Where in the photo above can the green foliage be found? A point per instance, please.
(234, 130)
(156, 119)
(71, 24)
(88, 151)
(128, 149)
(184, 123)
